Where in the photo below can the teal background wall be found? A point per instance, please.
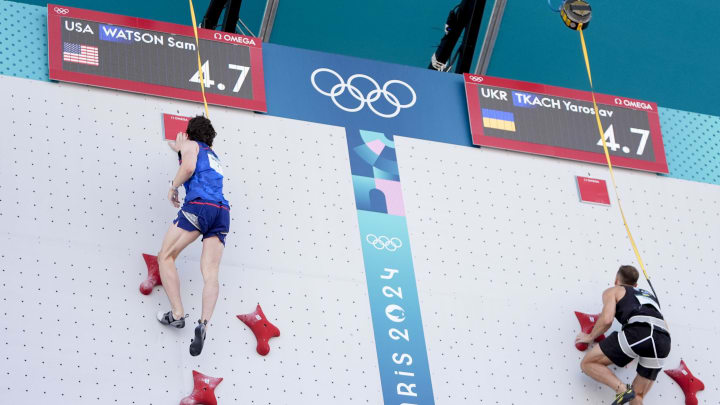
(175, 11)
(692, 140)
(663, 51)
(401, 31)
(23, 41)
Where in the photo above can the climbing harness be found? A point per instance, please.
(644, 298)
(647, 362)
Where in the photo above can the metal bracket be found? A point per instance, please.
(490, 37)
(268, 20)
(239, 28)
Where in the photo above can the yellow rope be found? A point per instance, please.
(607, 158)
(200, 71)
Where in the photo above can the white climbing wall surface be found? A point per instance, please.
(502, 249)
(83, 185)
(504, 253)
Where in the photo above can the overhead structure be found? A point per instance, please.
(268, 20)
(491, 34)
(465, 19)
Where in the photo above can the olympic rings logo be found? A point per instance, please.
(476, 79)
(372, 96)
(382, 242)
(62, 11)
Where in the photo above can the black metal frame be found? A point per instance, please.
(465, 17)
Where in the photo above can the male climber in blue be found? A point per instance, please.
(205, 212)
(644, 336)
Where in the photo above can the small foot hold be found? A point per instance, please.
(203, 391)
(196, 345)
(153, 277)
(587, 322)
(262, 328)
(687, 382)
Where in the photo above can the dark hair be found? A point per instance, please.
(628, 275)
(200, 129)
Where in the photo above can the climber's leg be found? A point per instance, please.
(210, 266)
(595, 365)
(641, 385)
(176, 239)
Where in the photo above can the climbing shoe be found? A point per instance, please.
(625, 396)
(196, 345)
(167, 318)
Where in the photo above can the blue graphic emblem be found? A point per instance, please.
(394, 305)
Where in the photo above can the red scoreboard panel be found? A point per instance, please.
(153, 57)
(555, 121)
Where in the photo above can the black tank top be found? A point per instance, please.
(636, 302)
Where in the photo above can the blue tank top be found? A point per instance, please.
(206, 182)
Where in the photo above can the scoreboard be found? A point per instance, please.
(554, 121)
(153, 57)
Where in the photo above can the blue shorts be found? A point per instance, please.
(210, 219)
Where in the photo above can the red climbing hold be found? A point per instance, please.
(587, 322)
(204, 390)
(262, 328)
(688, 382)
(153, 277)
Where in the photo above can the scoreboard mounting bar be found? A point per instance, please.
(153, 57)
(559, 122)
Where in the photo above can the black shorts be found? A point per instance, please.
(634, 333)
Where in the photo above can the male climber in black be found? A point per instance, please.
(644, 335)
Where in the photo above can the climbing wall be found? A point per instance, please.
(504, 253)
(23, 40)
(692, 145)
(85, 175)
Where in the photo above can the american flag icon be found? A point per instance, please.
(87, 55)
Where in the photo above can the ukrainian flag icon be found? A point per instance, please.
(502, 120)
